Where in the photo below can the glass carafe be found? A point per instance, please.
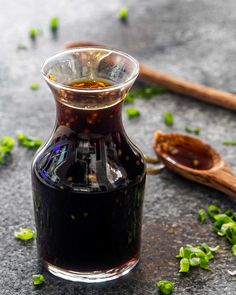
(88, 179)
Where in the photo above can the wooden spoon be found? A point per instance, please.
(201, 92)
(196, 160)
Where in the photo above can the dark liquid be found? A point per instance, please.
(192, 157)
(91, 84)
(88, 186)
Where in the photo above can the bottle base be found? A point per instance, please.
(93, 276)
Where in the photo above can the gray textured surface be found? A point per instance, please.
(190, 39)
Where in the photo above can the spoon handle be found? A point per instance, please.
(198, 91)
(223, 180)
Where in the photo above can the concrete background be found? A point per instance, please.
(195, 40)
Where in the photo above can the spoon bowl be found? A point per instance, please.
(194, 159)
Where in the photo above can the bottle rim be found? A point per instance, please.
(116, 86)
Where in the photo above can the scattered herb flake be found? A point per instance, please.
(202, 215)
(168, 118)
(165, 287)
(145, 92)
(213, 210)
(208, 249)
(54, 22)
(6, 145)
(229, 142)
(149, 91)
(231, 232)
(234, 249)
(38, 279)
(34, 86)
(24, 234)
(231, 214)
(195, 130)
(195, 261)
(28, 142)
(123, 13)
(184, 265)
(33, 32)
(233, 279)
(129, 97)
(157, 90)
(224, 224)
(196, 256)
(188, 129)
(132, 113)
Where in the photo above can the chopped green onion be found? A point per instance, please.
(129, 97)
(149, 91)
(196, 256)
(38, 279)
(28, 142)
(132, 113)
(33, 33)
(196, 130)
(234, 249)
(144, 92)
(34, 86)
(229, 142)
(123, 13)
(165, 287)
(231, 214)
(208, 249)
(204, 263)
(213, 210)
(224, 224)
(24, 234)
(184, 265)
(54, 22)
(202, 215)
(168, 118)
(188, 129)
(231, 233)
(6, 145)
(195, 261)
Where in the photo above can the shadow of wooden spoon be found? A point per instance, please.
(194, 159)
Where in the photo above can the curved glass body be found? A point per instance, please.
(88, 179)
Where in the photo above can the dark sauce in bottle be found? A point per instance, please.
(88, 187)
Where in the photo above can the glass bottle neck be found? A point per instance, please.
(100, 121)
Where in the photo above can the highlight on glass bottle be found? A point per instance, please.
(88, 179)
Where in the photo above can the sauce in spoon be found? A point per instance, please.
(183, 150)
(196, 160)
